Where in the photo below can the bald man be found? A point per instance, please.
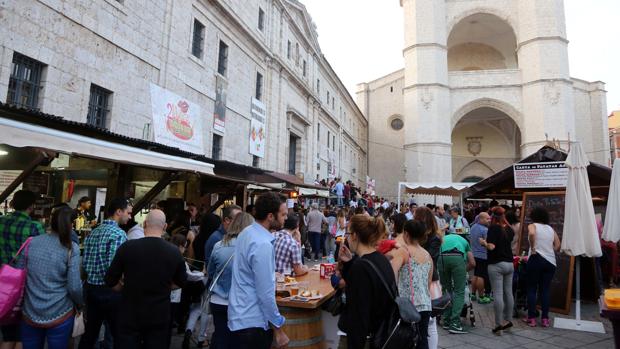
(480, 284)
(146, 270)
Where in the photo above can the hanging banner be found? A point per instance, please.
(257, 128)
(541, 175)
(331, 165)
(370, 186)
(219, 113)
(176, 121)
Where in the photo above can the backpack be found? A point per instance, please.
(400, 330)
(13, 281)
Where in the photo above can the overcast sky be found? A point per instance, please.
(363, 39)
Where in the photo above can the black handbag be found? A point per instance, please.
(441, 304)
(400, 330)
(336, 304)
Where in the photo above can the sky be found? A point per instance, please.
(363, 40)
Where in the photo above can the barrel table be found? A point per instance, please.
(303, 325)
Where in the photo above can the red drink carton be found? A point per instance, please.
(327, 270)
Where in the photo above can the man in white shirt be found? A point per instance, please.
(412, 208)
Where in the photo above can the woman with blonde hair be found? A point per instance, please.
(220, 262)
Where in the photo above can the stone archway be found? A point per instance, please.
(504, 107)
(484, 140)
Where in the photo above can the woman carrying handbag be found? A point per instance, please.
(53, 286)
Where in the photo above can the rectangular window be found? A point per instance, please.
(292, 155)
(259, 86)
(334, 142)
(98, 106)
(25, 82)
(318, 85)
(288, 50)
(297, 55)
(255, 161)
(216, 150)
(328, 138)
(327, 98)
(333, 103)
(318, 132)
(198, 39)
(222, 60)
(305, 68)
(261, 19)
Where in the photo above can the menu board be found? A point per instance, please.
(541, 175)
(562, 284)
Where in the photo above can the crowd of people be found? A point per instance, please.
(141, 284)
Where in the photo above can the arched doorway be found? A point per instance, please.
(484, 141)
(482, 42)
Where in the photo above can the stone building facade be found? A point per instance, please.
(485, 83)
(70, 57)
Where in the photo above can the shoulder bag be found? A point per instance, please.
(13, 281)
(400, 330)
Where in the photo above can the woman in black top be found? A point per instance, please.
(500, 267)
(368, 302)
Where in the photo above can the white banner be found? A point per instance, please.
(176, 121)
(257, 128)
(541, 175)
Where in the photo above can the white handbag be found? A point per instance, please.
(78, 325)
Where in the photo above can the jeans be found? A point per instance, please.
(330, 244)
(315, 240)
(153, 337)
(501, 282)
(433, 337)
(101, 305)
(195, 312)
(539, 275)
(222, 336)
(423, 330)
(57, 337)
(340, 200)
(253, 338)
(453, 277)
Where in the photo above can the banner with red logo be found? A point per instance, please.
(177, 122)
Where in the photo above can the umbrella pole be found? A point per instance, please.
(578, 290)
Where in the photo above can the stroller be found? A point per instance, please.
(468, 306)
(519, 285)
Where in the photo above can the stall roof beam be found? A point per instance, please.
(152, 194)
(41, 158)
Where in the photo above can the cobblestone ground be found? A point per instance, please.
(521, 335)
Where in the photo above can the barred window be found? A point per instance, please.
(198, 39)
(259, 86)
(25, 82)
(261, 19)
(216, 151)
(222, 60)
(98, 106)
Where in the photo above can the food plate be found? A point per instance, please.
(304, 299)
(291, 283)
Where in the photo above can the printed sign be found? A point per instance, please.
(219, 114)
(541, 175)
(257, 128)
(176, 121)
(370, 185)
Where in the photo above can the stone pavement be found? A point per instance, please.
(522, 336)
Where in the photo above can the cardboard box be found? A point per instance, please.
(327, 270)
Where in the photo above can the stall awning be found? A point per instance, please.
(21, 134)
(292, 180)
(314, 192)
(440, 189)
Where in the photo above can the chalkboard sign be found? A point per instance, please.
(562, 283)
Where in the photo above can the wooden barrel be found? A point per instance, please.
(303, 327)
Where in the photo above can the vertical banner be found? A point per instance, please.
(331, 165)
(219, 113)
(370, 186)
(176, 121)
(257, 128)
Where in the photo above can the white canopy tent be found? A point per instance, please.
(434, 189)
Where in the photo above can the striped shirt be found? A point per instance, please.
(99, 250)
(15, 228)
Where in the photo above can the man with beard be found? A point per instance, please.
(253, 316)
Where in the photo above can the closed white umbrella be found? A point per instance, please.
(580, 233)
(611, 230)
(580, 237)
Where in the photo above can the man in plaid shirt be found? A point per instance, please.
(99, 249)
(288, 249)
(15, 229)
